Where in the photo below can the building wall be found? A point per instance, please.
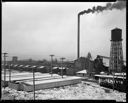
(98, 64)
(70, 71)
(81, 74)
(14, 59)
(80, 64)
(84, 63)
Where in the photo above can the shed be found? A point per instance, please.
(82, 73)
(55, 67)
(20, 66)
(41, 69)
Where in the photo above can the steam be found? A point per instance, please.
(119, 5)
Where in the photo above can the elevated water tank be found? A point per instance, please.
(116, 34)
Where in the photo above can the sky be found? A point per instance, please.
(38, 29)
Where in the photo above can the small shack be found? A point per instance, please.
(62, 69)
(55, 70)
(41, 69)
(82, 73)
(26, 68)
(20, 67)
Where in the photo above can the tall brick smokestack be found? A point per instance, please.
(119, 5)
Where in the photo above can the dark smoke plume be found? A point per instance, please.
(119, 5)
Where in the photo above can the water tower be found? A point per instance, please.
(116, 52)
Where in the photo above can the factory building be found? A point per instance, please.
(84, 64)
(71, 70)
(99, 65)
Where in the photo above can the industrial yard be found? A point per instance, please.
(85, 90)
(79, 91)
(40, 59)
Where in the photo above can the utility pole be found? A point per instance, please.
(4, 68)
(113, 79)
(62, 66)
(51, 63)
(10, 72)
(33, 82)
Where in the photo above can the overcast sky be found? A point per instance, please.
(37, 29)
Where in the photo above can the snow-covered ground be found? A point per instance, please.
(78, 91)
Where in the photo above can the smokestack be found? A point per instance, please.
(119, 5)
(78, 38)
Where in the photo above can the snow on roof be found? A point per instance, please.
(62, 68)
(82, 71)
(11, 65)
(102, 72)
(125, 63)
(109, 76)
(33, 66)
(41, 66)
(15, 65)
(55, 67)
(5, 64)
(20, 65)
(27, 65)
(120, 73)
